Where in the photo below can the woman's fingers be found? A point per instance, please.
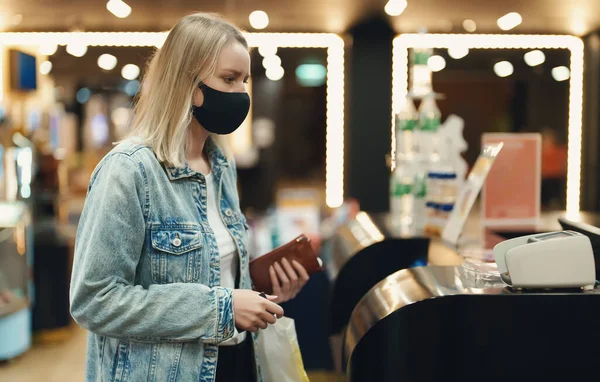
(275, 282)
(291, 274)
(301, 271)
(283, 278)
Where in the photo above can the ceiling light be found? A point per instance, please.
(77, 49)
(275, 73)
(561, 73)
(436, 63)
(45, 67)
(259, 19)
(267, 50)
(130, 72)
(395, 7)
(107, 61)
(118, 8)
(48, 49)
(534, 58)
(470, 25)
(509, 21)
(271, 61)
(503, 69)
(458, 52)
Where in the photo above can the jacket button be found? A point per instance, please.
(228, 212)
(176, 242)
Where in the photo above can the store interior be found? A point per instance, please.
(347, 97)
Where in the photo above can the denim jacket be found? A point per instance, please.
(146, 274)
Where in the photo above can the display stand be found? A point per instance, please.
(16, 291)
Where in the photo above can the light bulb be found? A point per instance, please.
(458, 52)
(45, 67)
(561, 73)
(271, 61)
(470, 25)
(267, 50)
(48, 49)
(118, 8)
(436, 63)
(275, 73)
(503, 69)
(534, 58)
(509, 21)
(395, 7)
(107, 61)
(77, 49)
(259, 19)
(130, 72)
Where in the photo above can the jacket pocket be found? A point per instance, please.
(175, 255)
(121, 366)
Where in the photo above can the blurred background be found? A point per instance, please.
(324, 89)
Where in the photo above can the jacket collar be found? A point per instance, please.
(214, 154)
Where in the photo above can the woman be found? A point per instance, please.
(161, 277)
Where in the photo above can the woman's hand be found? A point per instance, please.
(287, 279)
(253, 312)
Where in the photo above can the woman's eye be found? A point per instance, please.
(229, 80)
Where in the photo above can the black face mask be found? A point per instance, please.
(221, 112)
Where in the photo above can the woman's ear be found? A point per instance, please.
(198, 98)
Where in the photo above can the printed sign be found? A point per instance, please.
(511, 194)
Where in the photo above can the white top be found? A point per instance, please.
(226, 245)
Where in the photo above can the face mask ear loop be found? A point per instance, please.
(201, 86)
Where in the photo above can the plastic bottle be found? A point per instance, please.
(402, 178)
(406, 122)
(442, 185)
(428, 157)
(420, 72)
(401, 198)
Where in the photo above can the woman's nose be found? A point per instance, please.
(239, 87)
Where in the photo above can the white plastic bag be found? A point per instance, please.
(279, 354)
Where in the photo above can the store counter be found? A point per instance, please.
(363, 252)
(452, 323)
(16, 290)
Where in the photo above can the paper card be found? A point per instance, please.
(468, 193)
(511, 194)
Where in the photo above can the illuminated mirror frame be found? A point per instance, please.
(400, 82)
(334, 136)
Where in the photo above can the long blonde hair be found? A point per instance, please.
(188, 56)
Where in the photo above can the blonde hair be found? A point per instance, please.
(188, 56)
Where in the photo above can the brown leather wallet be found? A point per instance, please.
(298, 249)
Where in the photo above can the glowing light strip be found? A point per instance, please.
(403, 43)
(334, 183)
(1, 73)
(334, 137)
